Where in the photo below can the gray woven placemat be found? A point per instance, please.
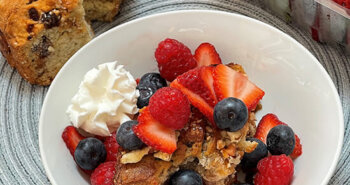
(20, 102)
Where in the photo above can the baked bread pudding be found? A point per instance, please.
(38, 36)
(193, 123)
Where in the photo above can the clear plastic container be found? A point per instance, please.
(326, 20)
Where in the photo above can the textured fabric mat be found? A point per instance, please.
(20, 102)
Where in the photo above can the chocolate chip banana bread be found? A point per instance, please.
(38, 36)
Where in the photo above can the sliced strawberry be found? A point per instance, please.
(196, 100)
(230, 83)
(206, 55)
(154, 134)
(266, 124)
(72, 138)
(208, 79)
(298, 149)
(200, 82)
(197, 85)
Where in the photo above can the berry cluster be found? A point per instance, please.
(223, 95)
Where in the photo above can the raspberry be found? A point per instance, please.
(103, 174)
(174, 58)
(170, 107)
(112, 147)
(275, 170)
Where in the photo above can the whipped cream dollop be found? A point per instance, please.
(106, 98)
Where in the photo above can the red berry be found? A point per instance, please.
(230, 83)
(266, 124)
(170, 107)
(275, 170)
(103, 174)
(112, 147)
(154, 134)
(197, 85)
(174, 58)
(206, 55)
(298, 149)
(71, 137)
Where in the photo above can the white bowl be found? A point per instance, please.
(298, 89)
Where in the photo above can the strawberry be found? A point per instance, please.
(71, 137)
(266, 124)
(154, 134)
(197, 85)
(112, 147)
(298, 149)
(206, 55)
(230, 83)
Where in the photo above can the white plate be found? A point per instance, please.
(297, 87)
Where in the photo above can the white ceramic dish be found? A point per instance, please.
(297, 87)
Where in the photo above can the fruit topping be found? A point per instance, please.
(266, 124)
(147, 86)
(230, 83)
(152, 80)
(72, 138)
(275, 170)
(186, 177)
(89, 153)
(145, 94)
(206, 55)
(196, 84)
(298, 149)
(170, 107)
(173, 58)
(280, 140)
(112, 147)
(250, 160)
(230, 114)
(126, 137)
(154, 134)
(103, 174)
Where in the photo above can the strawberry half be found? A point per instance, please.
(154, 134)
(72, 138)
(266, 124)
(206, 55)
(197, 85)
(230, 83)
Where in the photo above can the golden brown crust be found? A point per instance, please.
(35, 35)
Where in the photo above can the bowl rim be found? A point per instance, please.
(217, 13)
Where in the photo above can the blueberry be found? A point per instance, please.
(89, 153)
(186, 177)
(230, 114)
(153, 80)
(145, 94)
(126, 137)
(250, 160)
(148, 85)
(280, 140)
